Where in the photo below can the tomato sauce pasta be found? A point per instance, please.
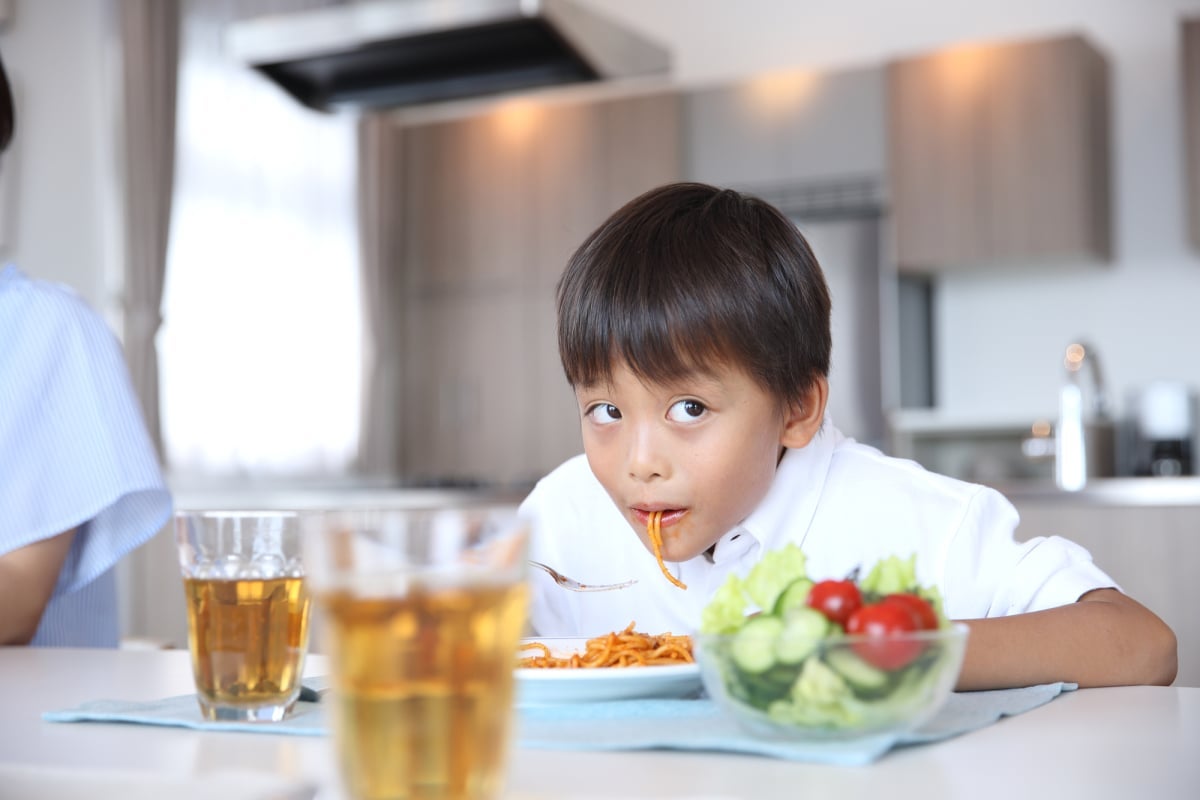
(628, 648)
(654, 531)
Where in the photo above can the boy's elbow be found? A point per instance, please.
(1147, 651)
(1163, 651)
(1151, 652)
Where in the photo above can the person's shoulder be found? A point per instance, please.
(47, 309)
(855, 464)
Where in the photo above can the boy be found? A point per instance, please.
(693, 326)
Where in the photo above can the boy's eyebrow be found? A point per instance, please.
(598, 387)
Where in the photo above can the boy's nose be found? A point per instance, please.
(646, 457)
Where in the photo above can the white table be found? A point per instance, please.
(1099, 743)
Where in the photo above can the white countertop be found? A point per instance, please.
(1154, 492)
(1098, 743)
(350, 493)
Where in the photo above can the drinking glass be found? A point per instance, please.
(422, 612)
(248, 610)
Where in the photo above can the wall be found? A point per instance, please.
(58, 213)
(1001, 334)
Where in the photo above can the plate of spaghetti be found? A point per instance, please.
(622, 665)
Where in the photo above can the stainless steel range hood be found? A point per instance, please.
(415, 52)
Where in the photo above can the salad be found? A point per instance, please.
(837, 654)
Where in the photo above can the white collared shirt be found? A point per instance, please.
(846, 504)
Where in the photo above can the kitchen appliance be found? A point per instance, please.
(393, 53)
(1165, 430)
(1085, 436)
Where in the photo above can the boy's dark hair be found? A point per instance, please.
(7, 117)
(687, 277)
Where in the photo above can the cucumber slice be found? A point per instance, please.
(794, 596)
(861, 676)
(803, 630)
(753, 647)
(779, 678)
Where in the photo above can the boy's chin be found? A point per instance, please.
(678, 552)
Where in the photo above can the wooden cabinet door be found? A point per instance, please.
(999, 154)
(496, 205)
(1150, 551)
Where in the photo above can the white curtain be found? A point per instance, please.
(261, 348)
(150, 51)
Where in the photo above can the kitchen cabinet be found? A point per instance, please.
(1151, 551)
(495, 205)
(795, 132)
(1191, 121)
(999, 154)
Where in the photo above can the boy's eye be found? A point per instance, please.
(604, 413)
(686, 411)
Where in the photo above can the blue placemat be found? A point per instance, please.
(701, 725)
(306, 719)
(617, 725)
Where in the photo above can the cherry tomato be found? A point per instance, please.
(879, 623)
(837, 600)
(922, 612)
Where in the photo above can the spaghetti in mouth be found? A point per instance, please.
(654, 531)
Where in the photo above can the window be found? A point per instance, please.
(260, 351)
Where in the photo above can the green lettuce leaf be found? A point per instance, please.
(890, 576)
(726, 612)
(773, 573)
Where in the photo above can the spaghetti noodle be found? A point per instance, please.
(628, 648)
(654, 531)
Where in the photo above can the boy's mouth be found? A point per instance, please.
(669, 515)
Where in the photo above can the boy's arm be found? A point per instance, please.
(28, 576)
(1104, 639)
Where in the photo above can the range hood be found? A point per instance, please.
(398, 53)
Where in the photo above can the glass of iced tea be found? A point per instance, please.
(248, 610)
(422, 613)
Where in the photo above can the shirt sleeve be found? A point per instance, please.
(989, 573)
(76, 453)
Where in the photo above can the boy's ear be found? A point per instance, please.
(802, 420)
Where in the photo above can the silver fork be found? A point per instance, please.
(576, 586)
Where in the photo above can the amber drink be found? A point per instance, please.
(248, 610)
(247, 639)
(423, 623)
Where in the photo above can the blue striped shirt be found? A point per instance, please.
(74, 453)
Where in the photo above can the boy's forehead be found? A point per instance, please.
(621, 373)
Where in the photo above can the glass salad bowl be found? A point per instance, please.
(783, 679)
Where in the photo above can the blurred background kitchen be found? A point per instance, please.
(334, 280)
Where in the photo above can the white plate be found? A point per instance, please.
(546, 686)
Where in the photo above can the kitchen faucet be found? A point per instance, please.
(1083, 445)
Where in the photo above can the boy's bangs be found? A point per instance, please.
(653, 354)
(659, 343)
